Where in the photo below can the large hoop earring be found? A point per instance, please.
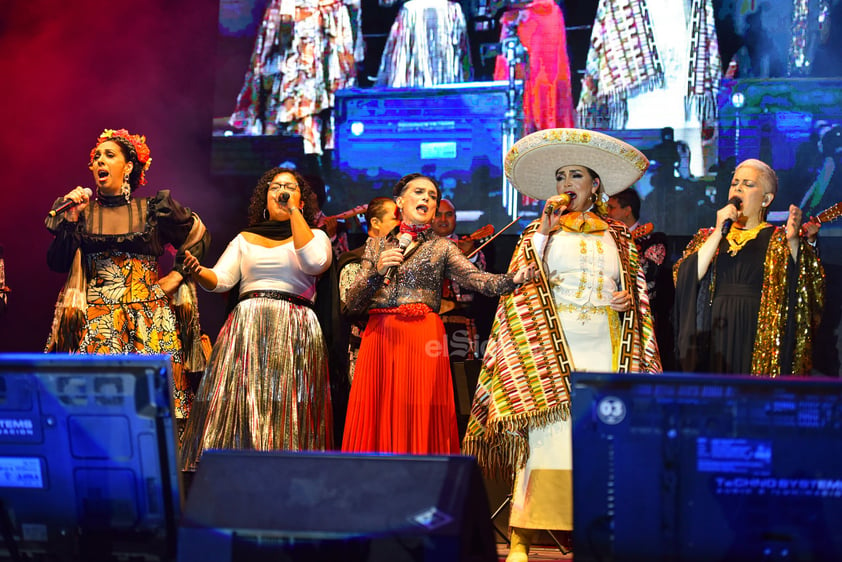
(265, 214)
(126, 188)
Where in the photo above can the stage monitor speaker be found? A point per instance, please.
(87, 458)
(729, 467)
(282, 506)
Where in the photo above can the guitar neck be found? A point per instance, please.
(349, 213)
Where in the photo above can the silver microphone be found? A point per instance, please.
(404, 240)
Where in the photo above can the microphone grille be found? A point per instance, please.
(88, 192)
(404, 240)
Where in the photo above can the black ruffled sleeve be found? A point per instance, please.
(66, 241)
(179, 226)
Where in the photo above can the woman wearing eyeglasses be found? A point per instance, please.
(266, 385)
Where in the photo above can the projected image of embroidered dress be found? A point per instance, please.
(653, 64)
(427, 45)
(303, 54)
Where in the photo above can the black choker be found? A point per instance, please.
(111, 200)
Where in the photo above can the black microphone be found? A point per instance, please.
(726, 224)
(284, 197)
(566, 198)
(68, 203)
(404, 240)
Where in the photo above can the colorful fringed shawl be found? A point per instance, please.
(775, 307)
(705, 66)
(622, 61)
(524, 381)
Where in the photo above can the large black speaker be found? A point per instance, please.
(280, 506)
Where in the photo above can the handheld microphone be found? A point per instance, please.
(68, 203)
(726, 224)
(404, 240)
(565, 200)
(284, 197)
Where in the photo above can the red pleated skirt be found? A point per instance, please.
(402, 395)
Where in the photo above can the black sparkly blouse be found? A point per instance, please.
(419, 278)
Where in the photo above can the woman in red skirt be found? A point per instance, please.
(402, 395)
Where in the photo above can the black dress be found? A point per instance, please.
(716, 332)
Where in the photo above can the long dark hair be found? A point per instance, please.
(257, 205)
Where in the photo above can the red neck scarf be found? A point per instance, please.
(412, 229)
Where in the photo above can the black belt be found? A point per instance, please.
(277, 295)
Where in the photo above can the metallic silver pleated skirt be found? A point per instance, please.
(266, 385)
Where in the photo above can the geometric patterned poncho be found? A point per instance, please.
(524, 381)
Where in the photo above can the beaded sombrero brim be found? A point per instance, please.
(531, 163)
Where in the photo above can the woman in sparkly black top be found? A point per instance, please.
(113, 301)
(402, 395)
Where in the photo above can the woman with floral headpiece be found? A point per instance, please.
(109, 242)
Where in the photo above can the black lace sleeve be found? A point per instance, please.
(367, 281)
(467, 275)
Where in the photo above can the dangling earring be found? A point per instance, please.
(126, 189)
(265, 214)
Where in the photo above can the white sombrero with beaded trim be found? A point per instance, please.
(531, 163)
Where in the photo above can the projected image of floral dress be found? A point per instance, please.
(303, 54)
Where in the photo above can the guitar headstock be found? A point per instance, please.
(484, 232)
(830, 214)
(642, 230)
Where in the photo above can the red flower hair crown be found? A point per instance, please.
(136, 142)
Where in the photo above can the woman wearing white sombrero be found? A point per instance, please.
(590, 297)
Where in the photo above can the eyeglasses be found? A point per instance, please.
(284, 186)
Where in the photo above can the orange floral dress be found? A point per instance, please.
(125, 309)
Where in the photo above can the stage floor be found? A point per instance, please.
(540, 552)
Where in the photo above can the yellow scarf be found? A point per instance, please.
(585, 222)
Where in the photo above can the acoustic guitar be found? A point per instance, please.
(828, 215)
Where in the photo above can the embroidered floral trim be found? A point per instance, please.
(409, 310)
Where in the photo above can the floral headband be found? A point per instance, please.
(135, 143)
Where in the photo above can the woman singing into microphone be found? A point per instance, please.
(402, 396)
(266, 385)
(587, 311)
(113, 301)
(749, 297)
